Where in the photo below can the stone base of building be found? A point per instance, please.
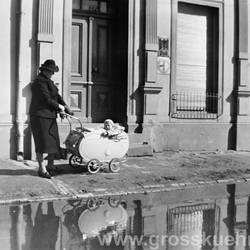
(8, 141)
(159, 137)
(243, 137)
(193, 136)
(8, 144)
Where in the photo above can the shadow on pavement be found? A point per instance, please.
(16, 172)
(66, 169)
(62, 169)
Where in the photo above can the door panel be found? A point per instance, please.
(103, 85)
(75, 53)
(79, 50)
(78, 93)
(101, 55)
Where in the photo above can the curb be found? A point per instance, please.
(69, 193)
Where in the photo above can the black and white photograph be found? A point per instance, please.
(125, 124)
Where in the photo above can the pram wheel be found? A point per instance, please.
(113, 202)
(114, 165)
(93, 204)
(93, 166)
(75, 161)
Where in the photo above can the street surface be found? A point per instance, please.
(163, 171)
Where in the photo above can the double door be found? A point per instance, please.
(94, 84)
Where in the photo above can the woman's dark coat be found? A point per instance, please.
(45, 98)
(43, 113)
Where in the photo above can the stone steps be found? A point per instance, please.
(139, 145)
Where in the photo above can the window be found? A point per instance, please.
(195, 91)
(93, 6)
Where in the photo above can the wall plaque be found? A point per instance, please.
(163, 65)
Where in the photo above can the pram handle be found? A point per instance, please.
(71, 116)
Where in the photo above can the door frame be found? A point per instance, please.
(66, 58)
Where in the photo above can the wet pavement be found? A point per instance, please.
(211, 217)
(163, 171)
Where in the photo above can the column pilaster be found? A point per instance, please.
(66, 57)
(151, 44)
(151, 88)
(45, 36)
(243, 77)
(131, 102)
(243, 88)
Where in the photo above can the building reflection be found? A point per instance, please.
(231, 214)
(248, 224)
(14, 228)
(140, 222)
(224, 222)
(27, 218)
(45, 229)
(238, 217)
(40, 235)
(191, 224)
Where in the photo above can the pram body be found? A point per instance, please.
(96, 148)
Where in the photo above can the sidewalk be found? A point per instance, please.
(163, 171)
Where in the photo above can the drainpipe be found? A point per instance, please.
(19, 108)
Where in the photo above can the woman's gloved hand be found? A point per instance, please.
(61, 108)
(68, 110)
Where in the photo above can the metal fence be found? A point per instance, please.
(195, 105)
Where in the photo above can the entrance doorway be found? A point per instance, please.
(98, 88)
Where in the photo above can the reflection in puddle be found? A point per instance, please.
(195, 222)
(153, 221)
(85, 220)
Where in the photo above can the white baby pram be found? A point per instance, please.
(94, 148)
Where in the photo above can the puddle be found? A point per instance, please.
(215, 217)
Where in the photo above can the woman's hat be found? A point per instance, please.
(49, 65)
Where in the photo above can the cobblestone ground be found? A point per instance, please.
(167, 170)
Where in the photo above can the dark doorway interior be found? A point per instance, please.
(99, 59)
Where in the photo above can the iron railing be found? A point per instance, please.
(195, 105)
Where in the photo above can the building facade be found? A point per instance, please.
(175, 72)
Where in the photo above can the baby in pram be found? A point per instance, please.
(111, 129)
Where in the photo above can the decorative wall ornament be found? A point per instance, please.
(163, 47)
(163, 59)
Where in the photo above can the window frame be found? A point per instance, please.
(209, 3)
